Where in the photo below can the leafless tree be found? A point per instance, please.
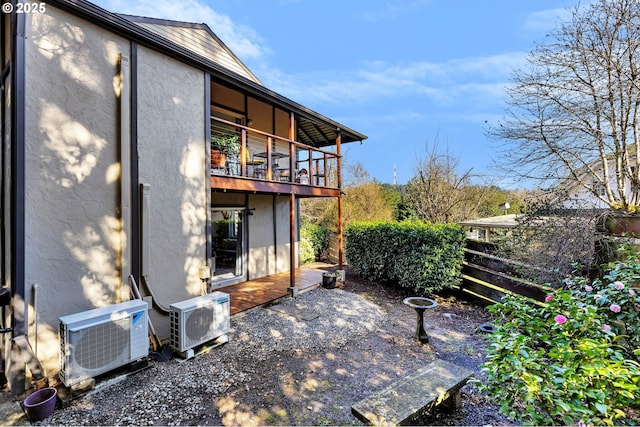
(573, 114)
(440, 191)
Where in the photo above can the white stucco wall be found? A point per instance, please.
(72, 171)
(264, 258)
(261, 255)
(171, 145)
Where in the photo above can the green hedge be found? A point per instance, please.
(424, 257)
(314, 241)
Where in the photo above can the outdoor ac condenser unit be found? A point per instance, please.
(198, 320)
(97, 341)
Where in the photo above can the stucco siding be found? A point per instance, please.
(73, 241)
(261, 255)
(171, 146)
(282, 238)
(268, 244)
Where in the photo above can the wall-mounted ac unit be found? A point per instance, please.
(97, 341)
(198, 320)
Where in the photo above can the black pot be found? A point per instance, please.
(329, 281)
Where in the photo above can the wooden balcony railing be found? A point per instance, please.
(239, 151)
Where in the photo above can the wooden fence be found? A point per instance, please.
(489, 277)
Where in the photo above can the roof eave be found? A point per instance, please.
(129, 29)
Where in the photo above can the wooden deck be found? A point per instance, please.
(258, 292)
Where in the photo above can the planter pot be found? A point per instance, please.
(40, 404)
(218, 159)
(329, 280)
(620, 224)
(617, 228)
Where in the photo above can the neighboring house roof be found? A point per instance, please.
(502, 221)
(198, 38)
(322, 130)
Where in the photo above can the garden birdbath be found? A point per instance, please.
(420, 304)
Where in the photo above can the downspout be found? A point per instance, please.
(135, 167)
(124, 96)
(145, 258)
(207, 157)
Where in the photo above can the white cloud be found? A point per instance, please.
(241, 39)
(480, 78)
(544, 21)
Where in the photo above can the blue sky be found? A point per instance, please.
(406, 73)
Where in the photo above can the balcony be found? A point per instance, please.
(244, 159)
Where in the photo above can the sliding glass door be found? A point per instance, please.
(229, 247)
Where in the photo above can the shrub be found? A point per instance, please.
(572, 359)
(424, 257)
(306, 251)
(317, 237)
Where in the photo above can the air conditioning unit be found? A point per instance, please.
(198, 320)
(97, 341)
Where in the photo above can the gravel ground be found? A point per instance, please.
(279, 369)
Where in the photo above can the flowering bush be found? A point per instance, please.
(572, 359)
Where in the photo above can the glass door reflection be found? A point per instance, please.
(228, 245)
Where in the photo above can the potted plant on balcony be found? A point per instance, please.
(223, 148)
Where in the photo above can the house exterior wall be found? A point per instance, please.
(78, 214)
(268, 235)
(74, 245)
(580, 198)
(171, 146)
(73, 241)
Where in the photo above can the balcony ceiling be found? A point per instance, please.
(315, 134)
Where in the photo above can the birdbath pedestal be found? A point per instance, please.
(420, 304)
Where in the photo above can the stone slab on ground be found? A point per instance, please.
(294, 311)
(414, 395)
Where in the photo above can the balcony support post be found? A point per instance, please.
(244, 154)
(292, 149)
(292, 241)
(269, 159)
(339, 179)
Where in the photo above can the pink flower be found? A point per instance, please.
(606, 328)
(618, 285)
(548, 298)
(588, 288)
(632, 292)
(560, 319)
(615, 308)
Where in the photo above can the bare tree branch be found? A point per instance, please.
(573, 114)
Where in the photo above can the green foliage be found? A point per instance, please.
(317, 238)
(493, 197)
(617, 300)
(573, 359)
(227, 144)
(306, 251)
(417, 255)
